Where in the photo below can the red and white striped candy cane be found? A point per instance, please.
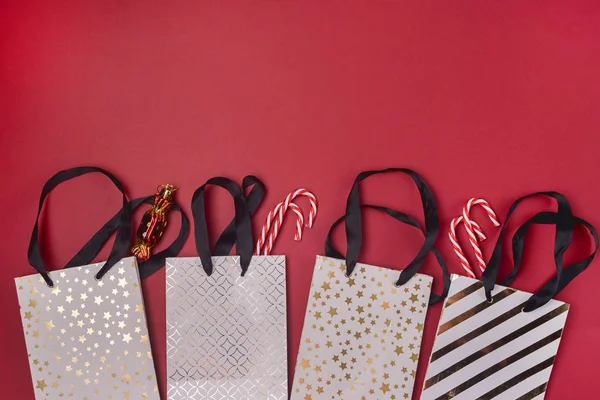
(275, 217)
(268, 245)
(313, 205)
(471, 230)
(456, 246)
(275, 220)
(260, 245)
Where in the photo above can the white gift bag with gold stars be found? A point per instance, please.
(362, 335)
(363, 325)
(226, 316)
(85, 326)
(88, 339)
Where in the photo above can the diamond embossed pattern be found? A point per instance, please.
(226, 334)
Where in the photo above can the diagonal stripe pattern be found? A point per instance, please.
(486, 350)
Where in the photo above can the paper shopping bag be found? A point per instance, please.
(363, 326)
(497, 342)
(85, 326)
(226, 316)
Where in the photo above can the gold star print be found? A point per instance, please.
(332, 311)
(385, 305)
(41, 385)
(33, 303)
(414, 298)
(414, 357)
(325, 286)
(49, 325)
(317, 295)
(399, 350)
(385, 387)
(305, 363)
(28, 315)
(419, 327)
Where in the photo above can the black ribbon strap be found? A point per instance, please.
(146, 268)
(243, 227)
(564, 233)
(331, 251)
(568, 273)
(354, 223)
(227, 239)
(121, 243)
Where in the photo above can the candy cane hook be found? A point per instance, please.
(469, 226)
(275, 220)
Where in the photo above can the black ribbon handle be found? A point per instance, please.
(331, 251)
(243, 227)
(354, 223)
(227, 239)
(564, 222)
(121, 243)
(146, 268)
(568, 273)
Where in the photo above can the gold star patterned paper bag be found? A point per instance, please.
(88, 338)
(85, 326)
(364, 324)
(362, 335)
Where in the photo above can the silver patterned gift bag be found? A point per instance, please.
(495, 342)
(85, 326)
(226, 316)
(363, 326)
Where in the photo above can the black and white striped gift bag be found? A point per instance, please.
(486, 350)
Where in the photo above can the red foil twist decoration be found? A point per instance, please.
(153, 223)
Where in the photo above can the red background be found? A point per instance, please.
(491, 99)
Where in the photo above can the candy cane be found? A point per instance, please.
(313, 205)
(279, 212)
(268, 245)
(456, 246)
(469, 226)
